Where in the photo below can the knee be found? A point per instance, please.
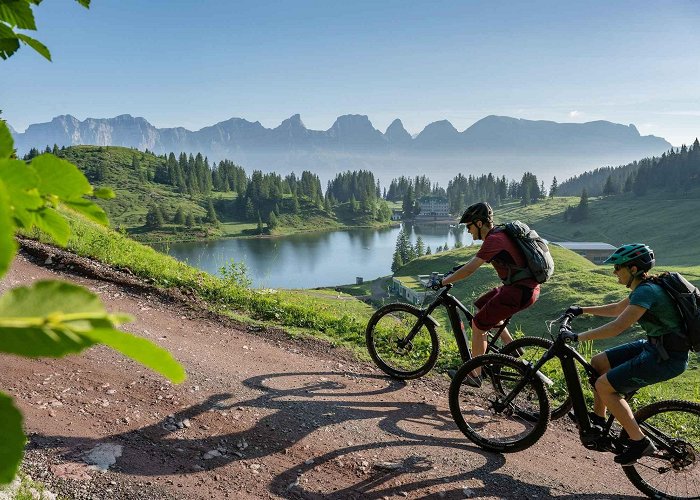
(600, 363)
(477, 333)
(602, 386)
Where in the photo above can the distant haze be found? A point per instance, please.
(498, 144)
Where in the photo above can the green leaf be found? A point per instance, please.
(89, 209)
(8, 246)
(36, 45)
(8, 46)
(139, 349)
(54, 224)
(13, 439)
(17, 13)
(84, 3)
(34, 342)
(21, 183)
(44, 298)
(104, 193)
(60, 178)
(6, 142)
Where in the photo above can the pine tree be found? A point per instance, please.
(272, 221)
(610, 188)
(211, 213)
(189, 220)
(154, 217)
(260, 224)
(553, 188)
(396, 261)
(179, 216)
(428, 251)
(420, 247)
(582, 209)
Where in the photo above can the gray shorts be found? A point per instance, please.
(638, 364)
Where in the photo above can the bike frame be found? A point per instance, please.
(453, 307)
(591, 438)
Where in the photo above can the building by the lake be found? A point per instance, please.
(434, 208)
(596, 251)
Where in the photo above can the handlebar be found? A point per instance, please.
(565, 321)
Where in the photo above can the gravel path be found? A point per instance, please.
(260, 416)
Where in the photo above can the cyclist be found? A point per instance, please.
(629, 367)
(516, 294)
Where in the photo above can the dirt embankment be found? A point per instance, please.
(260, 416)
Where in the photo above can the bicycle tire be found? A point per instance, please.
(679, 421)
(532, 350)
(386, 327)
(480, 421)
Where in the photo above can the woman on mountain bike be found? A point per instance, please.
(629, 367)
(504, 301)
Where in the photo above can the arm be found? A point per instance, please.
(464, 272)
(629, 316)
(609, 310)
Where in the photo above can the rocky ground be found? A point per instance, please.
(260, 416)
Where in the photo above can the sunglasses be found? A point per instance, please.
(617, 267)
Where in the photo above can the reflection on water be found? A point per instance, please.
(313, 259)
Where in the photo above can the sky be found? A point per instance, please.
(193, 64)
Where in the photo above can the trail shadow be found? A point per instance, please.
(300, 404)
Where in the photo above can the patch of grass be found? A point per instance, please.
(341, 319)
(666, 225)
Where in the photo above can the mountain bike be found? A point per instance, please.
(403, 342)
(510, 412)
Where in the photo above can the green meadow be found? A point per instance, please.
(340, 318)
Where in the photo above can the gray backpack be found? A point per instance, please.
(540, 264)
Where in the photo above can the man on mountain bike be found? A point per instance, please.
(504, 301)
(629, 367)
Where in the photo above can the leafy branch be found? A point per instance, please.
(52, 318)
(18, 15)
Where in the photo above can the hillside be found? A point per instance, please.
(137, 193)
(668, 225)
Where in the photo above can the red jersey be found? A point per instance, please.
(500, 251)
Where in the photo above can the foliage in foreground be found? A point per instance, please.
(51, 318)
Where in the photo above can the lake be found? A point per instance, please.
(312, 260)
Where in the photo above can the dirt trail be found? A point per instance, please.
(260, 416)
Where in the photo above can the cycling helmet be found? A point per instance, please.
(478, 211)
(633, 254)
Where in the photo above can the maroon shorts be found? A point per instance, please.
(501, 303)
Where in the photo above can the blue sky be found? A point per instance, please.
(193, 64)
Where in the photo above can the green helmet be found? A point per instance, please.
(633, 254)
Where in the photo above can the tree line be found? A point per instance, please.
(676, 171)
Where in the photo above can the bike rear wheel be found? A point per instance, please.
(385, 337)
(674, 470)
(478, 411)
(530, 350)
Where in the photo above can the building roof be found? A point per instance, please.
(584, 245)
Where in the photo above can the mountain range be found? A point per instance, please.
(494, 143)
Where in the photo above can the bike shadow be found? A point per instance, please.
(297, 405)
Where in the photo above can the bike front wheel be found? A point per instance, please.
(387, 343)
(673, 471)
(480, 413)
(530, 350)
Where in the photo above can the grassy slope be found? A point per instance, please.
(576, 281)
(669, 226)
(134, 197)
(342, 319)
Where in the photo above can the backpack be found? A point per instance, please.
(540, 264)
(687, 299)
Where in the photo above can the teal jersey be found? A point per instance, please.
(662, 315)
